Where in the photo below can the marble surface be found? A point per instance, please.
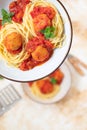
(71, 112)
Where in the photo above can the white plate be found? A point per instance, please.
(48, 67)
(64, 88)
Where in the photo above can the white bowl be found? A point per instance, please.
(64, 88)
(53, 63)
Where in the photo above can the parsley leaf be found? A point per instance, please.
(48, 32)
(6, 17)
(53, 81)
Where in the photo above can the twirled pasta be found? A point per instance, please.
(27, 31)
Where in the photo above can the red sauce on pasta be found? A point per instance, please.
(18, 8)
(16, 51)
(58, 75)
(40, 56)
(49, 11)
(46, 85)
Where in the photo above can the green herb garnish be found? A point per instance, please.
(48, 32)
(6, 17)
(53, 81)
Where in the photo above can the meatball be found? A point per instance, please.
(45, 86)
(13, 41)
(40, 22)
(40, 54)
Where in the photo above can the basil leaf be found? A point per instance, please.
(48, 32)
(53, 81)
(11, 14)
(6, 17)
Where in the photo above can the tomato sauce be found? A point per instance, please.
(15, 51)
(30, 83)
(58, 75)
(31, 47)
(36, 41)
(18, 8)
(49, 11)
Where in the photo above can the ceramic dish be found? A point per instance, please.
(64, 88)
(53, 63)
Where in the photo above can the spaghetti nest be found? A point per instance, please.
(14, 60)
(27, 30)
(47, 87)
(57, 22)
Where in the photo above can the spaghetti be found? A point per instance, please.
(57, 22)
(37, 19)
(12, 59)
(47, 87)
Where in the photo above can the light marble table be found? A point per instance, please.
(71, 112)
